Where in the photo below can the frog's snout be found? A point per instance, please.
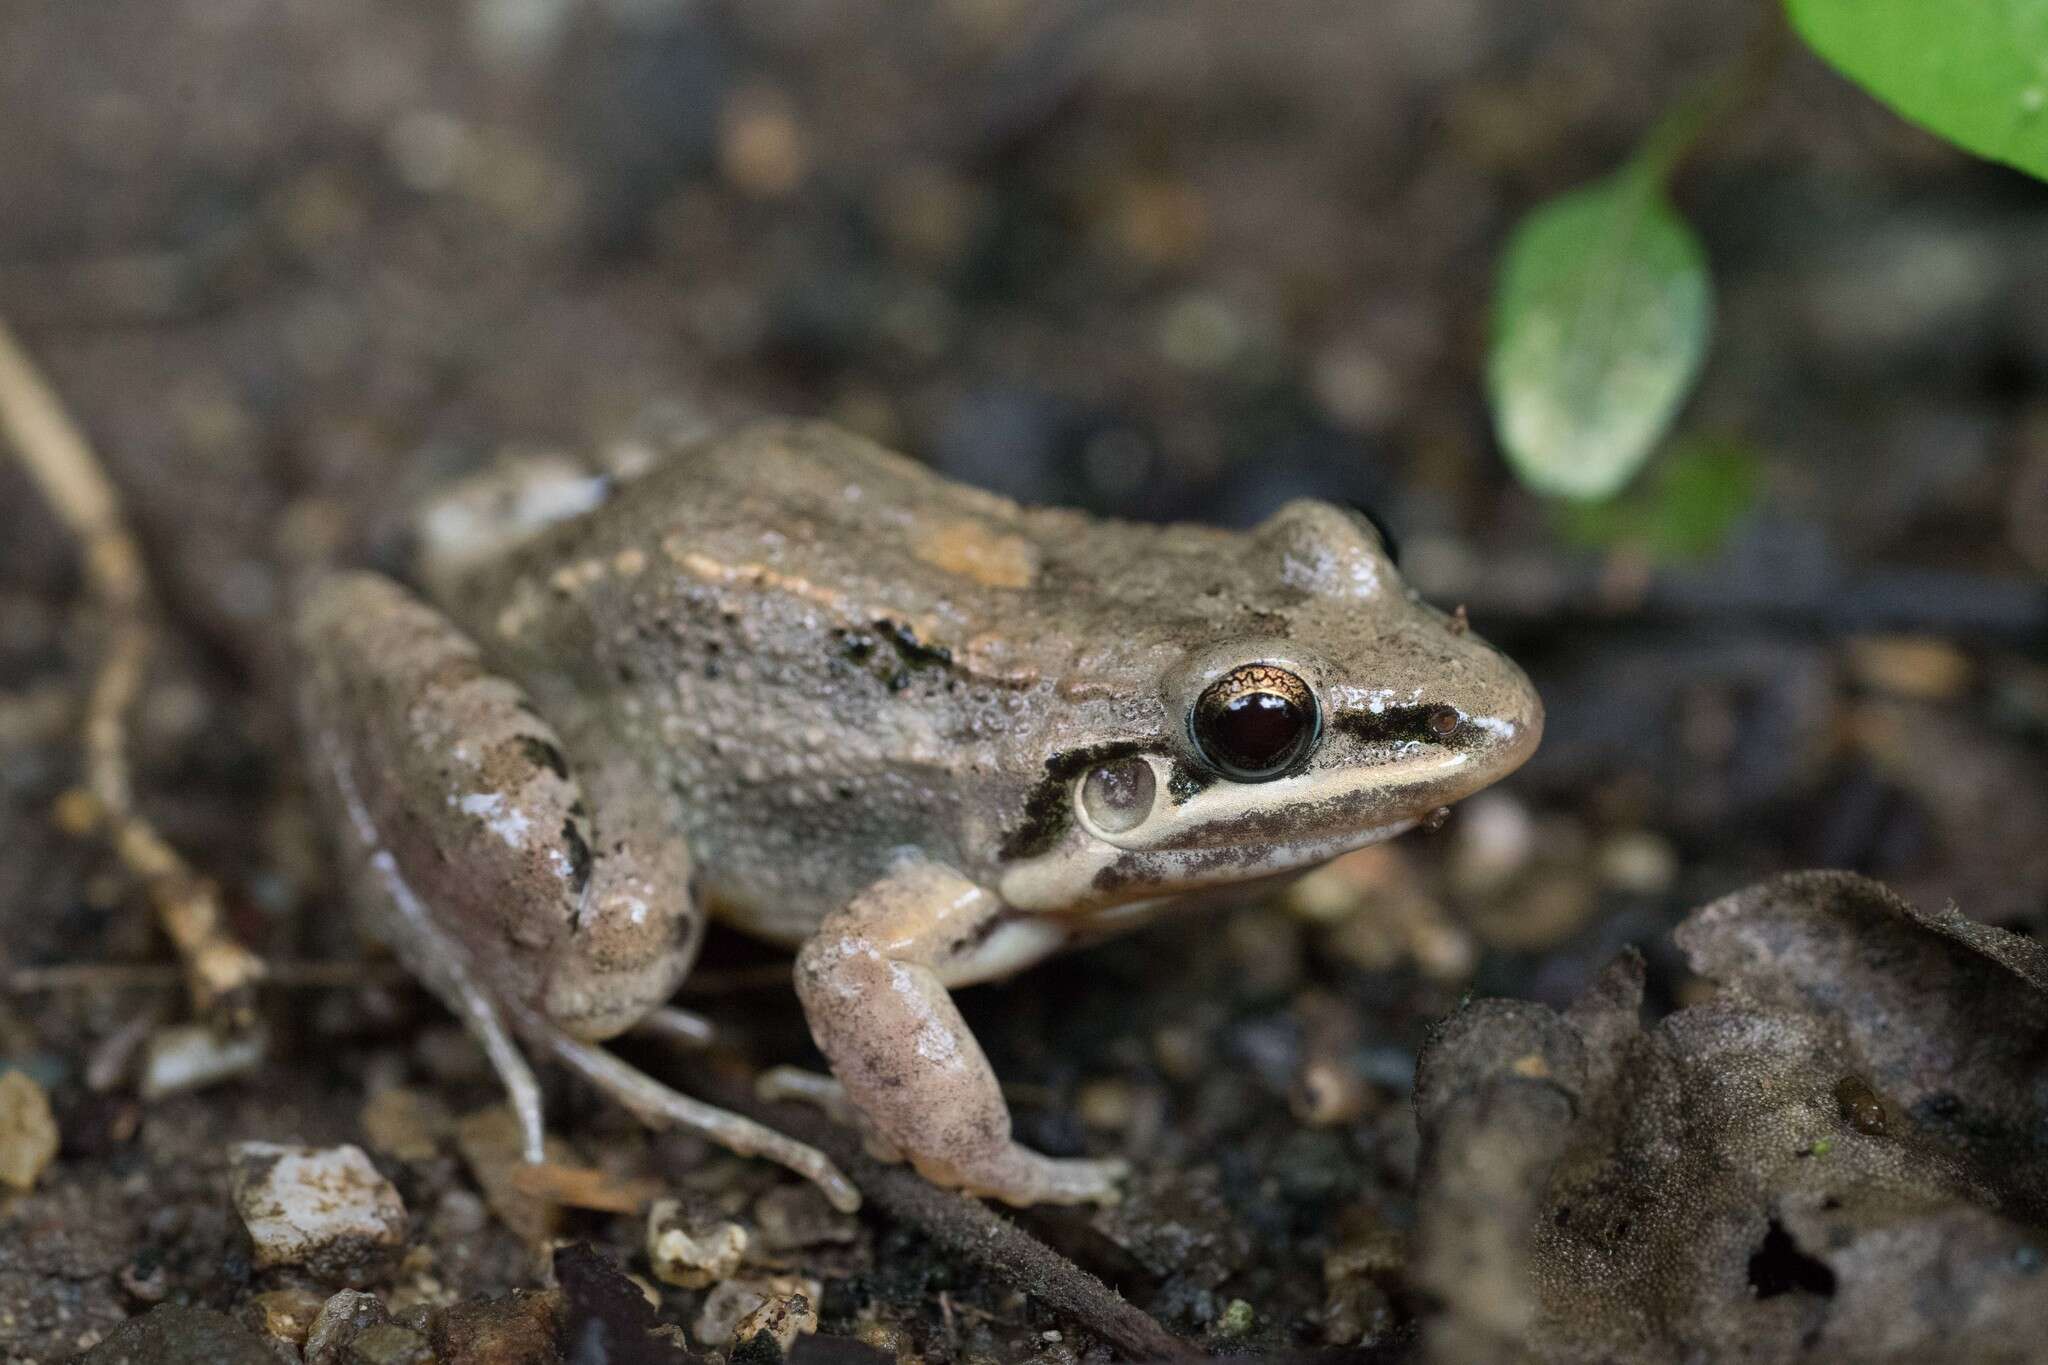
(1474, 720)
(1504, 722)
(1494, 723)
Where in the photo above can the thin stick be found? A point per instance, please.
(965, 1227)
(220, 974)
(346, 974)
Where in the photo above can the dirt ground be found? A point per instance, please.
(296, 262)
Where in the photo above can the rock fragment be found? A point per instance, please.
(286, 1314)
(174, 1334)
(339, 1322)
(519, 1329)
(793, 1217)
(781, 1318)
(28, 1132)
(389, 1343)
(733, 1302)
(325, 1209)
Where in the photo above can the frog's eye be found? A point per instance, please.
(1255, 722)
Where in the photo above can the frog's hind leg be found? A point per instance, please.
(540, 900)
(440, 961)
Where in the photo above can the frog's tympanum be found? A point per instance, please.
(919, 733)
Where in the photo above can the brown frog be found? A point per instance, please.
(919, 733)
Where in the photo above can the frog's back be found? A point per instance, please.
(830, 653)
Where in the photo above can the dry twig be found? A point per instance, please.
(964, 1227)
(343, 974)
(220, 973)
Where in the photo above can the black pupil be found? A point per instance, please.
(1256, 731)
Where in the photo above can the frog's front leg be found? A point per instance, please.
(538, 898)
(873, 982)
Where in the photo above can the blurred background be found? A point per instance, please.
(295, 262)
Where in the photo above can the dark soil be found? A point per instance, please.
(293, 264)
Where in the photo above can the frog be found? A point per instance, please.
(920, 734)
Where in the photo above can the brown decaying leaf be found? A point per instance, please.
(1702, 1189)
(585, 1187)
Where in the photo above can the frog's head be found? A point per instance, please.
(1319, 707)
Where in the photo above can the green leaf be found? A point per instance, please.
(1972, 71)
(1600, 324)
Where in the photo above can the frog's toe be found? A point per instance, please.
(660, 1107)
(793, 1084)
(784, 1084)
(1023, 1177)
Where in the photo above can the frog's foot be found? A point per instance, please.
(455, 982)
(873, 985)
(780, 1084)
(678, 1028)
(480, 1013)
(660, 1107)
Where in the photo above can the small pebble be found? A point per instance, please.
(1860, 1107)
(327, 1209)
(389, 1343)
(1181, 1051)
(733, 1301)
(191, 1056)
(143, 1278)
(761, 143)
(792, 1217)
(1638, 861)
(692, 1253)
(77, 812)
(1107, 1105)
(287, 1314)
(173, 1332)
(340, 1321)
(1495, 840)
(517, 1329)
(1201, 332)
(891, 1340)
(28, 1131)
(783, 1318)
(1327, 1094)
